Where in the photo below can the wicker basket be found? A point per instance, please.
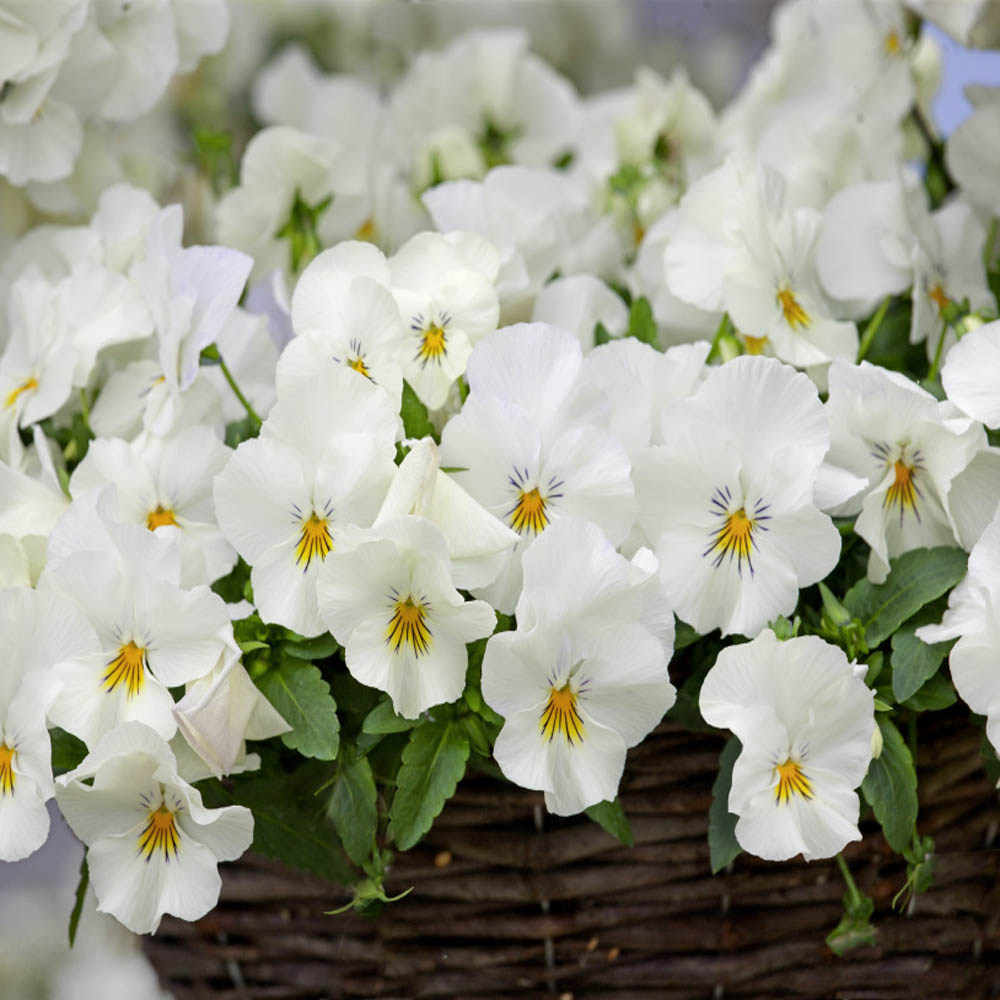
(509, 901)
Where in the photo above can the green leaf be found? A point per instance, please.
(854, 929)
(297, 690)
(320, 648)
(416, 423)
(935, 694)
(723, 846)
(916, 578)
(81, 893)
(289, 822)
(875, 664)
(353, 809)
(914, 662)
(684, 635)
(641, 324)
(382, 719)
(433, 764)
(67, 751)
(601, 335)
(890, 787)
(611, 816)
(241, 430)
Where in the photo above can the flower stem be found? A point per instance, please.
(872, 328)
(85, 405)
(932, 374)
(236, 389)
(852, 888)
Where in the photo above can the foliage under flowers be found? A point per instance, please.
(527, 395)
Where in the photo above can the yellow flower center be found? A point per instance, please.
(27, 386)
(128, 668)
(159, 517)
(366, 231)
(903, 490)
(315, 540)
(734, 539)
(529, 512)
(891, 45)
(433, 345)
(791, 781)
(358, 364)
(938, 297)
(160, 834)
(795, 315)
(7, 776)
(560, 716)
(755, 345)
(408, 627)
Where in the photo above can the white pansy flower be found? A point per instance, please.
(281, 164)
(153, 847)
(166, 485)
(909, 448)
(39, 631)
(530, 446)
(443, 285)
(389, 600)
(584, 677)
(221, 711)
(343, 314)
(741, 247)
(805, 721)
(729, 499)
(152, 634)
(323, 461)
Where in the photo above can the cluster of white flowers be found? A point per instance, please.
(593, 362)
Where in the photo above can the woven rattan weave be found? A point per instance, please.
(511, 902)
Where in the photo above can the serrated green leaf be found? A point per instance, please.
(916, 578)
(416, 423)
(723, 846)
(297, 690)
(383, 719)
(611, 816)
(289, 823)
(934, 694)
(320, 648)
(433, 763)
(353, 809)
(890, 787)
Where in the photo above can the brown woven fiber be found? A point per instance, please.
(511, 902)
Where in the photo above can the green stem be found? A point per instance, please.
(852, 888)
(725, 325)
(239, 394)
(932, 374)
(872, 328)
(85, 404)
